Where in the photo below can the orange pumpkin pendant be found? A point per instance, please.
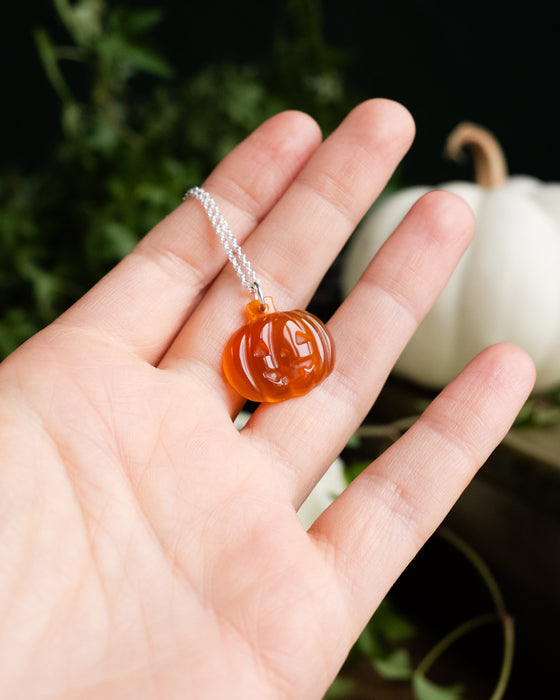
(277, 355)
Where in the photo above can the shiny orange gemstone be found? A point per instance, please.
(277, 355)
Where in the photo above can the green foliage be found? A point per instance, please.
(129, 148)
(306, 69)
(340, 688)
(426, 690)
(385, 629)
(540, 412)
(395, 665)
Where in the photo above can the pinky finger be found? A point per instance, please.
(373, 530)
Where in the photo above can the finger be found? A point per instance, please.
(296, 243)
(372, 531)
(146, 298)
(370, 330)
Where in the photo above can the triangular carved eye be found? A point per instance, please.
(301, 338)
(261, 349)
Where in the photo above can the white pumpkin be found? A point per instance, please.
(331, 485)
(507, 285)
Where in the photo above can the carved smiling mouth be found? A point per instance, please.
(299, 370)
(294, 361)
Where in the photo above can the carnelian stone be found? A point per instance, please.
(277, 355)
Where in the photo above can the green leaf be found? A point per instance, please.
(355, 469)
(113, 241)
(392, 625)
(47, 287)
(83, 19)
(424, 689)
(539, 444)
(354, 442)
(384, 630)
(15, 327)
(117, 51)
(540, 412)
(72, 118)
(369, 644)
(340, 688)
(395, 666)
(49, 61)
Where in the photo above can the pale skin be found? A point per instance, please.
(150, 550)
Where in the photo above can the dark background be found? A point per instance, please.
(495, 63)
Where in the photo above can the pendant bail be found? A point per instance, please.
(258, 295)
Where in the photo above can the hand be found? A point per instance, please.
(150, 550)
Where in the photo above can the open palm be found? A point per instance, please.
(150, 550)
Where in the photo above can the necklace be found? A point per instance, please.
(276, 355)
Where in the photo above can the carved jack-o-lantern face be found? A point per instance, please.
(278, 356)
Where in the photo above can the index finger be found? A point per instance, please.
(143, 302)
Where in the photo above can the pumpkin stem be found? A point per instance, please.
(490, 167)
(255, 310)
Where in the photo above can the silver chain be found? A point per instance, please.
(233, 250)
